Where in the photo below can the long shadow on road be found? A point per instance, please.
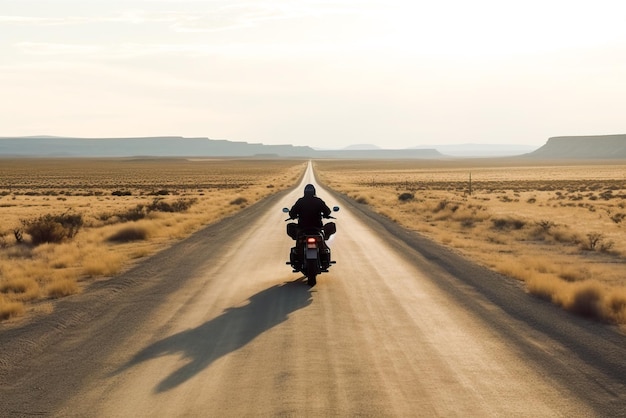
(230, 331)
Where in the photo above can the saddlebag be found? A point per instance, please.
(292, 230)
(329, 229)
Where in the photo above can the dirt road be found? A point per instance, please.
(218, 325)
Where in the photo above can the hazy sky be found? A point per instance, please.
(308, 72)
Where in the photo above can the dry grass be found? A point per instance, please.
(102, 262)
(129, 208)
(556, 226)
(9, 309)
(63, 287)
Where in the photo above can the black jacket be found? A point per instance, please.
(309, 210)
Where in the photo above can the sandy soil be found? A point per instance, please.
(217, 325)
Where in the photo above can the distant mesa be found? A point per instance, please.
(583, 147)
(562, 147)
(471, 150)
(169, 146)
(361, 147)
(173, 146)
(379, 153)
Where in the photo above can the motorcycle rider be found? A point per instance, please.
(309, 209)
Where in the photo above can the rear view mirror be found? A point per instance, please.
(335, 208)
(286, 210)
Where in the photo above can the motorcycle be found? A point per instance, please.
(310, 255)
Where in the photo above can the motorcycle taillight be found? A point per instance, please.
(311, 242)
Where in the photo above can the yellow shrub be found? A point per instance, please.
(60, 288)
(9, 308)
(103, 264)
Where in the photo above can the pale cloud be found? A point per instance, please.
(218, 16)
(43, 48)
(134, 17)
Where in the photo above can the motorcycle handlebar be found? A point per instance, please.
(325, 217)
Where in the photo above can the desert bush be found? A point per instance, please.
(542, 230)
(71, 222)
(441, 206)
(53, 228)
(159, 205)
(607, 195)
(587, 301)
(576, 197)
(593, 239)
(133, 214)
(618, 217)
(468, 222)
(239, 201)
(406, 196)
(545, 225)
(606, 246)
(162, 192)
(508, 223)
(121, 193)
(131, 233)
(180, 205)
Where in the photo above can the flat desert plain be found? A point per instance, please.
(556, 225)
(66, 222)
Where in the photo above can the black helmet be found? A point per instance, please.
(309, 190)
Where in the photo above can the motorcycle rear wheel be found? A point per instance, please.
(311, 274)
